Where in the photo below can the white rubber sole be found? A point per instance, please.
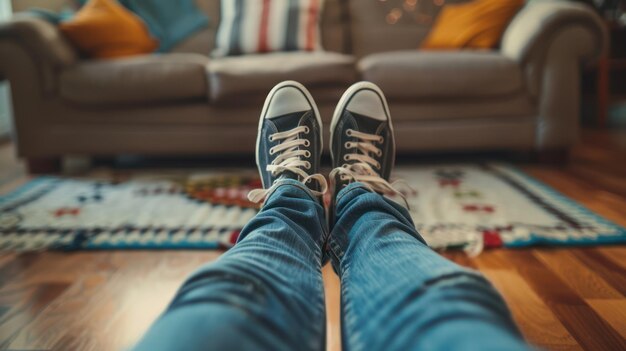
(266, 105)
(345, 99)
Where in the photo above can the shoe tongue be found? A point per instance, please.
(366, 124)
(287, 122)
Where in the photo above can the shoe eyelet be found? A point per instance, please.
(271, 138)
(347, 145)
(379, 153)
(346, 157)
(377, 165)
(349, 132)
(343, 177)
(345, 165)
(381, 140)
(307, 165)
(306, 130)
(307, 143)
(307, 154)
(271, 151)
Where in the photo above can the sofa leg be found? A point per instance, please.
(43, 165)
(557, 157)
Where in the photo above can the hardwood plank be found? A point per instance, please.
(591, 331)
(28, 302)
(583, 323)
(111, 308)
(536, 321)
(611, 272)
(64, 317)
(6, 258)
(493, 259)
(612, 182)
(461, 258)
(617, 254)
(575, 274)
(32, 268)
(613, 311)
(10, 270)
(333, 308)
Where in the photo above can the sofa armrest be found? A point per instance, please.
(40, 38)
(550, 40)
(536, 27)
(42, 42)
(542, 26)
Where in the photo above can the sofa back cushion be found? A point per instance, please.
(333, 27)
(391, 25)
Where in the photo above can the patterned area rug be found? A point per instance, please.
(453, 206)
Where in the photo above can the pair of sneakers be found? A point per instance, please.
(289, 142)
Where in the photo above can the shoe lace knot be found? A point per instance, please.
(360, 165)
(291, 157)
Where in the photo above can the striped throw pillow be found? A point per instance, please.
(261, 26)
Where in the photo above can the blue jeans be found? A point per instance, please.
(266, 293)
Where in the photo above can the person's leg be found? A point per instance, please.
(397, 293)
(266, 293)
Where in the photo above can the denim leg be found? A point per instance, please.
(398, 294)
(266, 293)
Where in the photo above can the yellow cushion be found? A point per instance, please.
(105, 29)
(477, 24)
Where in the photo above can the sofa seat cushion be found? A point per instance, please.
(442, 74)
(141, 79)
(233, 78)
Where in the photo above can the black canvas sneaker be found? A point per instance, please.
(362, 141)
(289, 140)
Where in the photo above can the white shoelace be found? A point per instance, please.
(290, 160)
(365, 169)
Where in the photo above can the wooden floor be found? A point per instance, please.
(563, 299)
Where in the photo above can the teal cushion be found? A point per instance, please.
(51, 16)
(170, 21)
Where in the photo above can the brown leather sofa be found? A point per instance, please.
(523, 96)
